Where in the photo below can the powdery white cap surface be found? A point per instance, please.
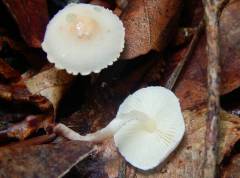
(155, 127)
(84, 38)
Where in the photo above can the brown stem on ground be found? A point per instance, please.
(212, 14)
(174, 76)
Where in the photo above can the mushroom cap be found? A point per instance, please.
(84, 38)
(155, 127)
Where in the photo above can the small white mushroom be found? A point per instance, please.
(83, 38)
(149, 125)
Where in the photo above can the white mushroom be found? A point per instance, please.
(83, 38)
(149, 125)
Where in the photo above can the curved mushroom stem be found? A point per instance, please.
(98, 136)
(104, 133)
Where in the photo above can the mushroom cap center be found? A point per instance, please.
(150, 125)
(82, 27)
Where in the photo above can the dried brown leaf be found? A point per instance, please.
(104, 164)
(7, 72)
(48, 161)
(106, 4)
(31, 17)
(192, 85)
(232, 170)
(12, 43)
(192, 14)
(122, 4)
(21, 48)
(19, 93)
(26, 127)
(51, 83)
(184, 35)
(12, 117)
(229, 133)
(39, 140)
(148, 25)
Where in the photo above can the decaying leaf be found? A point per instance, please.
(188, 160)
(12, 43)
(31, 17)
(26, 127)
(106, 163)
(230, 45)
(48, 161)
(51, 83)
(19, 93)
(184, 35)
(39, 140)
(192, 14)
(229, 133)
(122, 4)
(148, 25)
(106, 4)
(192, 85)
(7, 72)
(7, 118)
(232, 170)
(32, 56)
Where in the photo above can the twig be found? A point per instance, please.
(122, 170)
(212, 14)
(174, 76)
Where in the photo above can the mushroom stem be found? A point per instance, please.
(98, 136)
(105, 132)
